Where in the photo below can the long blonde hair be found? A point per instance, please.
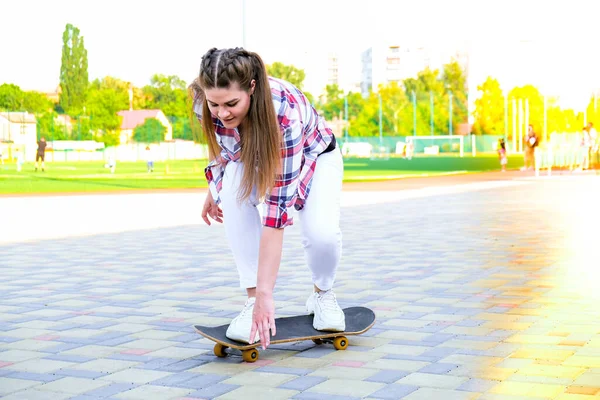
(260, 133)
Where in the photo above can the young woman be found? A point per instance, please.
(268, 147)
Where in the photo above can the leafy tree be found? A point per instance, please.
(73, 72)
(536, 104)
(428, 84)
(105, 98)
(167, 93)
(561, 120)
(151, 131)
(455, 82)
(82, 129)
(489, 109)
(181, 128)
(333, 106)
(103, 103)
(289, 73)
(11, 97)
(396, 113)
(593, 111)
(366, 122)
(47, 127)
(356, 105)
(37, 103)
(110, 138)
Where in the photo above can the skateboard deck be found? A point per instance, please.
(293, 329)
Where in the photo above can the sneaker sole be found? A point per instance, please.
(340, 327)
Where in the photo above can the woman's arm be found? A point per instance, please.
(269, 259)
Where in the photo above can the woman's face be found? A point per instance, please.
(230, 104)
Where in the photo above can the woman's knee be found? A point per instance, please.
(323, 239)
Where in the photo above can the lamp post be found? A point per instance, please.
(244, 24)
(431, 106)
(380, 121)
(450, 114)
(346, 115)
(414, 101)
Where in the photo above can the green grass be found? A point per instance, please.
(64, 177)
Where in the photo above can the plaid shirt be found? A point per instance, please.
(305, 136)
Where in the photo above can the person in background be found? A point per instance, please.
(19, 159)
(594, 154)
(41, 153)
(502, 154)
(531, 142)
(149, 159)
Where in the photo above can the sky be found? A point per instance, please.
(547, 43)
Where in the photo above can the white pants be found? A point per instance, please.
(319, 222)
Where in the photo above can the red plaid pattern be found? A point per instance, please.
(305, 136)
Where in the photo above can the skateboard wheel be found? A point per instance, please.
(317, 341)
(250, 355)
(340, 343)
(219, 350)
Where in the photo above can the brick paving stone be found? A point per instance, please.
(302, 383)
(395, 391)
(33, 376)
(213, 391)
(201, 381)
(387, 376)
(110, 390)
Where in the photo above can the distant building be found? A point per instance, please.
(134, 118)
(333, 73)
(383, 65)
(65, 121)
(54, 96)
(20, 130)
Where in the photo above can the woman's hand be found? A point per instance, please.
(211, 209)
(263, 319)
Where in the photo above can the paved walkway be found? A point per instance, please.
(483, 290)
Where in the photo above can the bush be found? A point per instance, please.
(151, 131)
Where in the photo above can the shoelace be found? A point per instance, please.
(328, 301)
(245, 310)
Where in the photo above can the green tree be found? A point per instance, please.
(47, 127)
(169, 94)
(82, 129)
(291, 74)
(11, 97)
(106, 97)
(151, 131)
(455, 82)
(489, 109)
(36, 102)
(532, 95)
(333, 104)
(396, 113)
(366, 123)
(181, 128)
(593, 111)
(73, 72)
(425, 86)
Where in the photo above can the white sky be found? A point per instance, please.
(133, 39)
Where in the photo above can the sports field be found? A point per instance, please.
(61, 177)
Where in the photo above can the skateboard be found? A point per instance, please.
(293, 329)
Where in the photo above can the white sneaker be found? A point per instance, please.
(240, 326)
(328, 314)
